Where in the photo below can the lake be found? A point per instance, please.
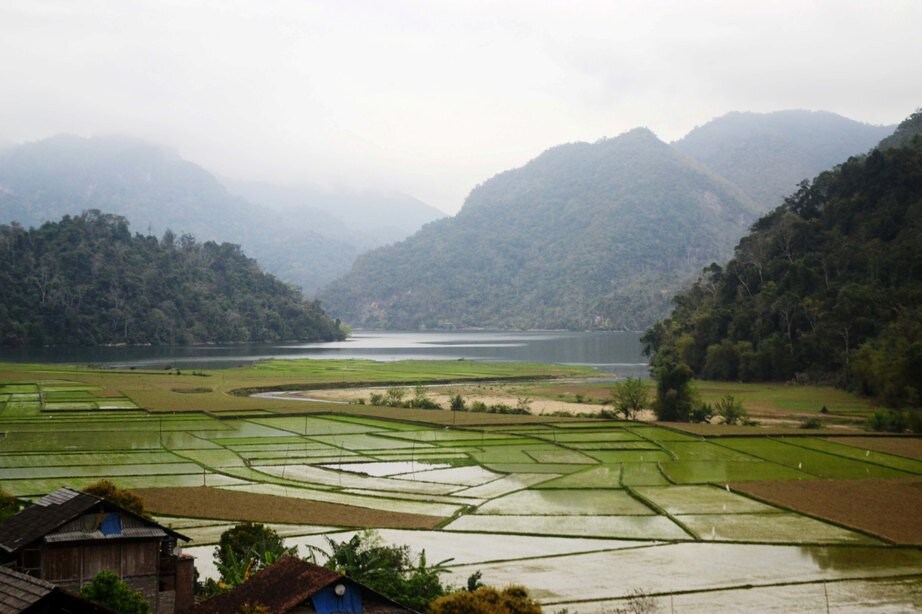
(614, 352)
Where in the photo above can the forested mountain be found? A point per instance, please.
(768, 154)
(87, 281)
(586, 235)
(303, 243)
(827, 286)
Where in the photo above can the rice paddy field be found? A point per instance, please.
(583, 512)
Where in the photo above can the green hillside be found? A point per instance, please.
(826, 287)
(585, 236)
(87, 281)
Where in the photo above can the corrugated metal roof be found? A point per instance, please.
(72, 536)
(57, 497)
(18, 591)
(54, 511)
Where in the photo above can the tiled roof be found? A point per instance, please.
(280, 587)
(18, 591)
(52, 512)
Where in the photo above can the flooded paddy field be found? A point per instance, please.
(586, 514)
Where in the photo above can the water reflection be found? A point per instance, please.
(851, 558)
(616, 352)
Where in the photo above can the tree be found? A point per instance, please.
(457, 403)
(389, 570)
(9, 505)
(629, 397)
(487, 600)
(245, 549)
(674, 393)
(108, 590)
(104, 489)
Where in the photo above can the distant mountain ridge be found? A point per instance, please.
(553, 244)
(595, 235)
(156, 190)
(768, 154)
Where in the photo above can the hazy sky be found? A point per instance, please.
(433, 97)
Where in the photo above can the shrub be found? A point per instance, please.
(487, 600)
(730, 410)
(109, 590)
(703, 412)
(104, 489)
(395, 396)
(811, 423)
(887, 421)
(9, 505)
(377, 399)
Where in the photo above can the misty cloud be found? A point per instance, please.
(430, 99)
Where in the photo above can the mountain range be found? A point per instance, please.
(305, 236)
(598, 235)
(587, 235)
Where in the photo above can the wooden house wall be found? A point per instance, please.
(72, 566)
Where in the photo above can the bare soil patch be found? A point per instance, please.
(910, 447)
(204, 502)
(885, 508)
(442, 396)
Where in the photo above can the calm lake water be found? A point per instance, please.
(615, 352)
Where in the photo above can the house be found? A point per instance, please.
(299, 587)
(21, 593)
(67, 537)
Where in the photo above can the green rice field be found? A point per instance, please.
(531, 500)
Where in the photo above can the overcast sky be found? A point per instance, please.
(433, 97)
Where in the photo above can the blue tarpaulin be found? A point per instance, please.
(111, 525)
(328, 602)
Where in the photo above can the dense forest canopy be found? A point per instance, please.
(87, 281)
(828, 286)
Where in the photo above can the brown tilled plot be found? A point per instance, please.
(885, 508)
(910, 447)
(204, 502)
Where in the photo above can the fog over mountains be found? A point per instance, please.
(598, 235)
(305, 236)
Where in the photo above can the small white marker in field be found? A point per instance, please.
(867, 452)
(800, 465)
(728, 488)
